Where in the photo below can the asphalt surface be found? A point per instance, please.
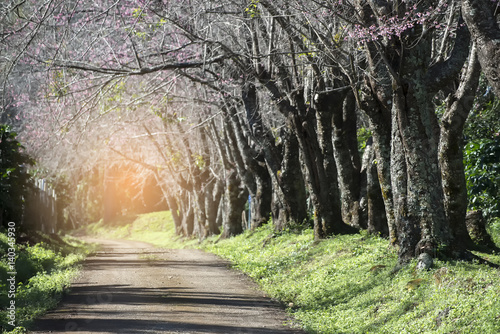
(132, 287)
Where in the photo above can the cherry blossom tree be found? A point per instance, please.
(221, 99)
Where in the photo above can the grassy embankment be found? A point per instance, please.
(345, 284)
(43, 271)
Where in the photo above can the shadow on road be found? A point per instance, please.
(126, 290)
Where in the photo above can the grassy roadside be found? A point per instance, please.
(156, 228)
(43, 271)
(345, 284)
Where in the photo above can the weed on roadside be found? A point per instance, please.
(43, 271)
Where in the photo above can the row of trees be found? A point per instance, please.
(225, 101)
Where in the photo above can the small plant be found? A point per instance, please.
(482, 170)
(363, 135)
(482, 154)
(44, 270)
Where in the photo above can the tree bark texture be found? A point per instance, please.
(451, 154)
(213, 194)
(422, 208)
(254, 158)
(376, 218)
(408, 230)
(347, 159)
(176, 213)
(476, 226)
(480, 16)
(283, 165)
(188, 217)
(235, 198)
(376, 102)
(290, 197)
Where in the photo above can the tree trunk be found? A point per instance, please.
(188, 214)
(420, 212)
(176, 214)
(407, 66)
(212, 202)
(376, 217)
(200, 212)
(480, 17)
(476, 226)
(408, 231)
(451, 153)
(415, 122)
(319, 155)
(376, 102)
(260, 202)
(290, 194)
(347, 159)
(252, 167)
(236, 197)
(284, 168)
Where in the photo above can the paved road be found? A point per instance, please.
(131, 287)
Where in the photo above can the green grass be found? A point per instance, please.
(43, 271)
(346, 285)
(156, 228)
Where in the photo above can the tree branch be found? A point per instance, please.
(443, 72)
(141, 71)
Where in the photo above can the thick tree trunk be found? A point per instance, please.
(408, 231)
(284, 170)
(212, 203)
(252, 167)
(186, 207)
(451, 154)
(329, 188)
(260, 202)
(188, 221)
(480, 17)
(347, 160)
(200, 213)
(376, 217)
(420, 211)
(212, 197)
(376, 102)
(418, 128)
(320, 189)
(176, 214)
(408, 67)
(236, 197)
(319, 158)
(290, 195)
